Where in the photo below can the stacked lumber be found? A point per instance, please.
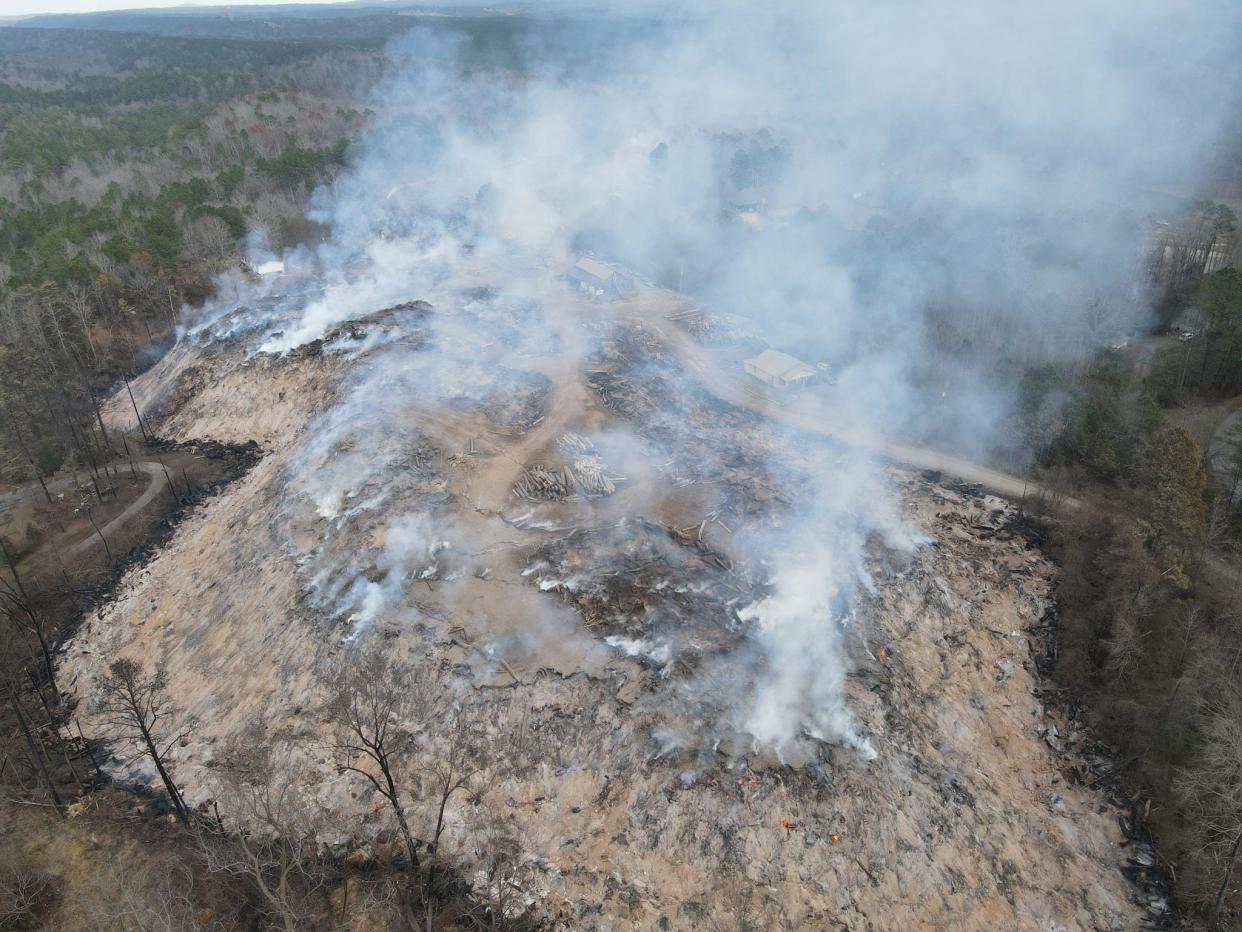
(540, 484)
(706, 328)
(622, 395)
(589, 474)
(575, 445)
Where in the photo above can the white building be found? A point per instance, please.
(599, 280)
(780, 369)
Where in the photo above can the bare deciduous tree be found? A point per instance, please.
(209, 241)
(118, 897)
(276, 848)
(18, 608)
(375, 707)
(1212, 790)
(25, 892)
(136, 711)
(450, 770)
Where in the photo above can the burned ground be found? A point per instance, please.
(601, 642)
(650, 588)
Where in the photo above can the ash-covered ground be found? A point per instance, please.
(574, 510)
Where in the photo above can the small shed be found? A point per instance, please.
(599, 280)
(779, 369)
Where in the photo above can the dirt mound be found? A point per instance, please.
(608, 638)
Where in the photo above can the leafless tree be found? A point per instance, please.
(1212, 790)
(452, 769)
(77, 300)
(1192, 622)
(117, 897)
(13, 699)
(274, 842)
(25, 891)
(376, 705)
(209, 241)
(136, 712)
(502, 870)
(18, 608)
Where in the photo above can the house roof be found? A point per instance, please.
(593, 268)
(777, 365)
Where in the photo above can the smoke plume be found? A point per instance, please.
(925, 197)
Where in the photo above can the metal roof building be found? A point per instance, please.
(598, 279)
(779, 369)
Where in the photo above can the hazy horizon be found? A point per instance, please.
(23, 8)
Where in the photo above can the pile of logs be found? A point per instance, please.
(540, 484)
(585, 476)
(621, 395)
(588, 471)
(576, 445)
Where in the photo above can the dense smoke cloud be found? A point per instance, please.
(921, 172)
(924, 195)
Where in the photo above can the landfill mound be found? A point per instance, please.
(598, 621)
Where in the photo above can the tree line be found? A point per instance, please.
(1149, 599)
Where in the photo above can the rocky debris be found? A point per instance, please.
(237, 458)
(1088, 762)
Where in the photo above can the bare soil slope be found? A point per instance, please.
(599, 632)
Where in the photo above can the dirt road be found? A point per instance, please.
(32, 494)
(736, 388)
(568, 399)
(159, 480)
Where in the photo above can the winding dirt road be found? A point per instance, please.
(733, 387)
(159, 481)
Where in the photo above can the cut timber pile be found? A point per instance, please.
(540, 484)
(576, 445)
(589, 473)
(623, 395)
(706, 328)
(585, 476)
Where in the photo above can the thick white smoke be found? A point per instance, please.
(926, 195)
(818, 569)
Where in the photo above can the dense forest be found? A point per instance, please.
(135, 168)
(1150, 616)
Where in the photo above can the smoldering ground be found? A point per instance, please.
(926, 196)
